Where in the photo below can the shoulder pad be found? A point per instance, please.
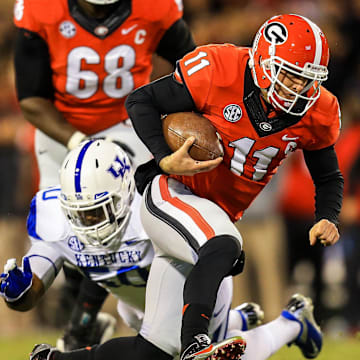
(209, 67)
(46, 220)
(33, 14)
(326, 111)
(325, 118)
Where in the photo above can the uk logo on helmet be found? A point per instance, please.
(275, 32)
(119, 167)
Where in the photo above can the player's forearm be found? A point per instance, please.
(329, 183)
(146, 104)
(43, 115)
(30, 298)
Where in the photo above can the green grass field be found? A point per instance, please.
(18, 348)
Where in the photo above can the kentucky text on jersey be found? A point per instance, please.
(123, 257)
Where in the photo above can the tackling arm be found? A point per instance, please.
(35, 91)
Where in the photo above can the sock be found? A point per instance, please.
(81, 354)
(216, 259)
(197, 318)
(265, 340)
(124, 348)
(88, 304)
(235, 322)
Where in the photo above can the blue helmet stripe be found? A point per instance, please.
(78, 165)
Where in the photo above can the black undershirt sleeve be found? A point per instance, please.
(176, 42)
(146, 105)
(329, 183)
(33, 74)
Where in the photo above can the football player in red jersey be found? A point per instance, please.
(265, 102)
(75, 63)
(77, 60)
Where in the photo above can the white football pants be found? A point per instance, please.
(178, 223)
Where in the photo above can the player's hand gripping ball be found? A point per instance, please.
(177, 127)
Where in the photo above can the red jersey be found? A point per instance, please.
(219, 81)
(93, 72)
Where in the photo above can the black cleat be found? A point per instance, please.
(42, 352)
(201, 349)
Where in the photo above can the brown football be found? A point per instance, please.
(177, 127)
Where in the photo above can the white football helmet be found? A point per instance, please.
(97, 188)
(101, 2)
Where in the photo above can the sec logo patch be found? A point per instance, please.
(67, 29)
(232, 113)
(75, 244)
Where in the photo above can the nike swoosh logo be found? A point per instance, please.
(126, 31)
(42, 152)
(286, 138)
(129, 242)
(215, 314)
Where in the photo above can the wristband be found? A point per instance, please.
(76, 138)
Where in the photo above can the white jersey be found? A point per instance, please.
(124, 272)
(54, 242)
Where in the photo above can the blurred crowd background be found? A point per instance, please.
(275, 229)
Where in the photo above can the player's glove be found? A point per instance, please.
(15, 281)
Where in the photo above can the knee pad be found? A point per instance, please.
(225, 246)
(222, 245)
(238, 267)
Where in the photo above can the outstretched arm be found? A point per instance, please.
(329, 183)
(20, 288)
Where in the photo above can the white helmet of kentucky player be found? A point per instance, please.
(97, 188)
